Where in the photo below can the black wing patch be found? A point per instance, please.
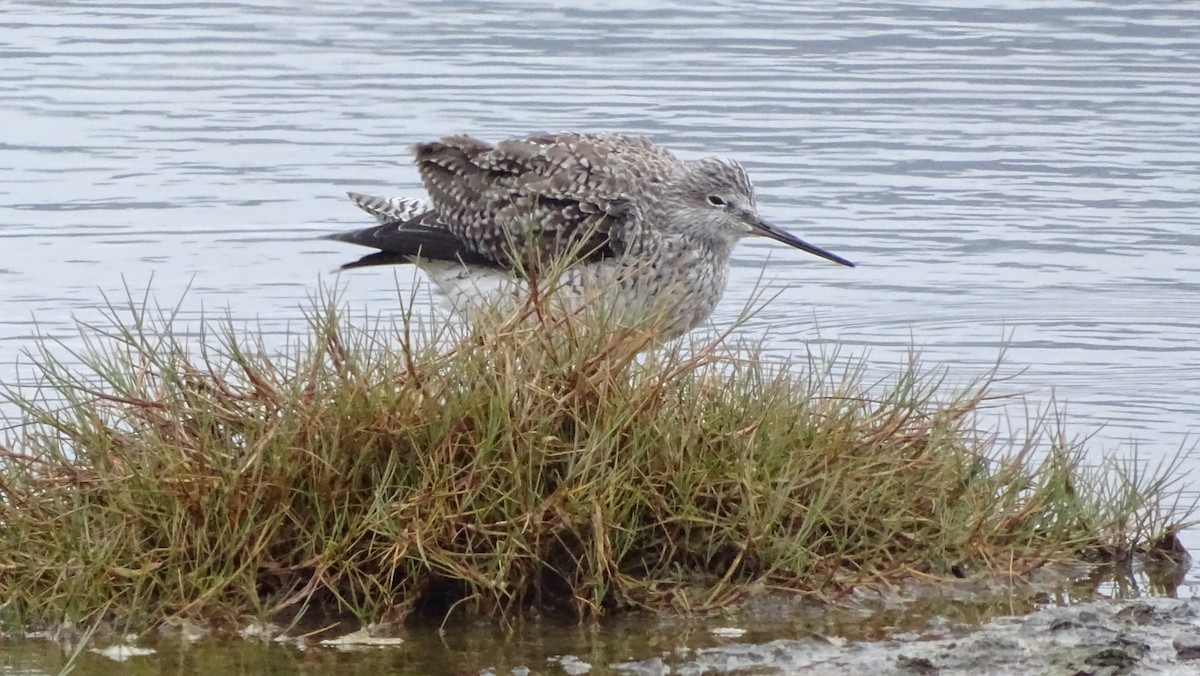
(400, 241)
(426, 236)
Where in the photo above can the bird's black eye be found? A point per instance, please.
(716, 200)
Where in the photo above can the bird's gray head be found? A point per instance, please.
(718, 205)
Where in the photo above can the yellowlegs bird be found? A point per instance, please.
(645, 231)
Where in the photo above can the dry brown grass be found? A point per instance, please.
(379, 470)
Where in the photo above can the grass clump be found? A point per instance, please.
(379, 469)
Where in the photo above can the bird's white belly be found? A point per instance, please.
(610, 289)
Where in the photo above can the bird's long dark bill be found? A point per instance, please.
(780, 235)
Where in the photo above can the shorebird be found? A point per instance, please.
(645, 232)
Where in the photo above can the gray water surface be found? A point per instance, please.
(1007, 174)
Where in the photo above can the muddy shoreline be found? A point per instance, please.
(1037, 625)
(1101, 638)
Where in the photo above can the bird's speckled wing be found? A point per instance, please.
(540, 196)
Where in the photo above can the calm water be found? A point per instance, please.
(1003, 174)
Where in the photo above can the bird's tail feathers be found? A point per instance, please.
(388, 209)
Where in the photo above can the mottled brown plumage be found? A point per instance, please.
(646, 231)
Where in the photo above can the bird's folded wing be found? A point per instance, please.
(537, 198)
